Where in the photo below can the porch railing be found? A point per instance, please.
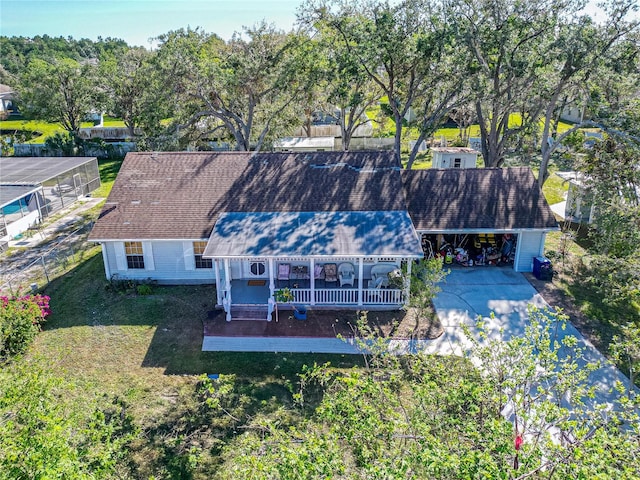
(347, 296)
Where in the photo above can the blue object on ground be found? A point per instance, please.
(213, 376)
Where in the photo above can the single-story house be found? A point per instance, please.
(454, 157)
(335, 228)
(31, 188)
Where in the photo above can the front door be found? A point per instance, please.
(255, 269)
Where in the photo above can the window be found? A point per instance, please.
(457, 162)
(198, 250)
(133, 251)
(257, 268)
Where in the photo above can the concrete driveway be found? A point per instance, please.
(479, 291)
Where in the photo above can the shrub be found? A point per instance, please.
(144, 289)
(20, 320)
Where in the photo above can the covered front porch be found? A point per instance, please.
(316, 292)
(352, 260)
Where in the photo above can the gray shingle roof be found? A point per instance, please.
(180, 195)
(476, 199)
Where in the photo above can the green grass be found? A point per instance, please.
(146, 350)
(46, 130)
(554, 188)
(108, 172)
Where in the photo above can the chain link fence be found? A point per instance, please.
(29, 270)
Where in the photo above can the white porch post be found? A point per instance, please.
(272, 284)
(312, 280)
(218, 286)
(360, 279)
(407, 283)
(227, 299)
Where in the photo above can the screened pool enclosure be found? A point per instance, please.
(31, 188)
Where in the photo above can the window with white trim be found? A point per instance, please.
(457, 162)
(134, 254)
(198, 250)
(257, 268)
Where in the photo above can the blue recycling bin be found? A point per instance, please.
(542, 268)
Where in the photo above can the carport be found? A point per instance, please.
(480, 206)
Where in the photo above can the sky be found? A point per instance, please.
(136, 21)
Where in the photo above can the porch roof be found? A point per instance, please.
(313, 234)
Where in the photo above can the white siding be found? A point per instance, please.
(530, 244)
(164, 261)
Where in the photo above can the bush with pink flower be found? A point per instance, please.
(20, 319)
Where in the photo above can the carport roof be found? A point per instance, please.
(477, 199)
(35, 170)
(317, 234)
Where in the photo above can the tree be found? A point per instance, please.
(579, 54)
(50, 429)
(426, 276)
(348, 87)
(400, 47)
(506, 43)
(248, 87)
(63, 91)
(135, 92)
(523, 412)
(626, 351)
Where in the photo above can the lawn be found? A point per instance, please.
(146, 351)
(108, 171)
(45, 129)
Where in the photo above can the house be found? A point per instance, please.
(326, 225)
(454, 157)
(579, 206)
(7, 99)
(31, 188)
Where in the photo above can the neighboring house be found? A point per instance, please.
(31, 188)
(454, 157)
(572, 113)
(579, 207)
(7, 99)
(331, 226)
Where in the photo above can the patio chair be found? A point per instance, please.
(284, 270)
(374, 292)
(346, 274)
(375, 283)
(330, 272)
(318, 272)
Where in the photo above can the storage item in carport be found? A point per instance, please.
(484, 239)
(542, 268)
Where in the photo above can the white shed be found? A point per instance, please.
(454, 157)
